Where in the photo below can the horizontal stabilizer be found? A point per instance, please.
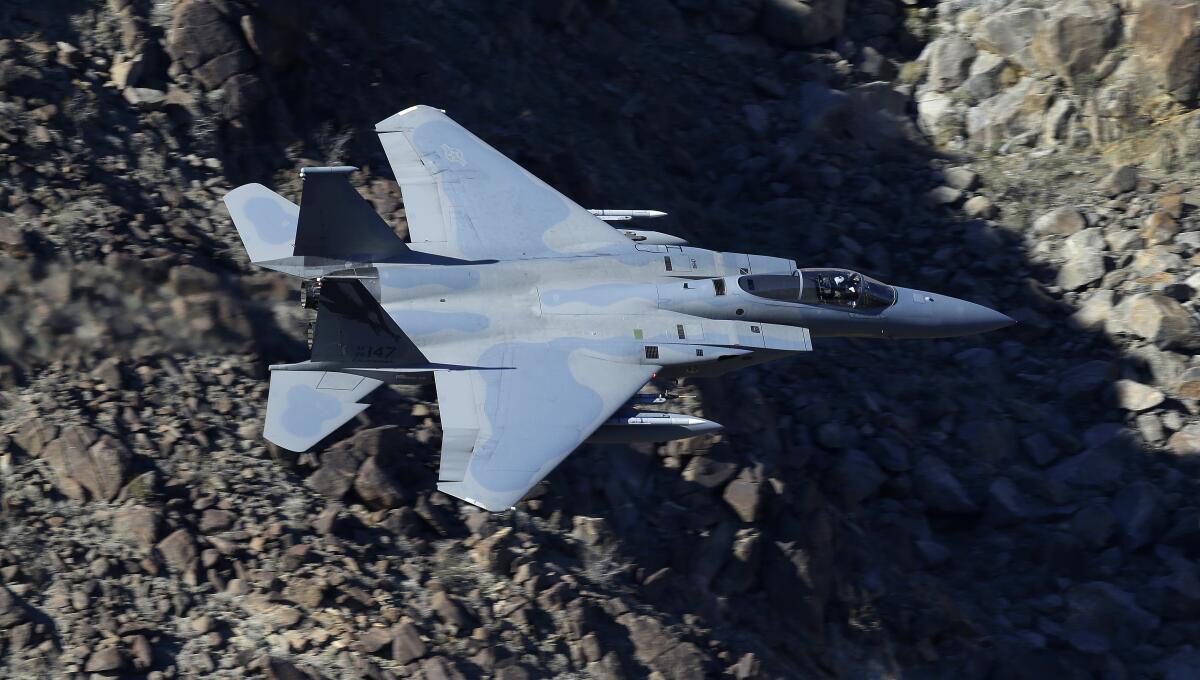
(305, 406)
(265, 221)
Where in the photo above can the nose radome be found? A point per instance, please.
(973, 318)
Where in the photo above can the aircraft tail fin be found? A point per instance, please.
(333, 228)
(336, 222)
(353, 328)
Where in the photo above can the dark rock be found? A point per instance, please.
(339, 467)
(87, 464)
(1138, 509)
(214, 520)
(12, 610)
(860, 476)
(799, 24)
(655, 647)
(1094, 524)
(105, 660)
(450, 612)
(374, 640)
(938, 488)
(208, 42)
(1099, 467)
(406, 643)
(1120, 180)
(179, 550)
(1101, 617)
(375, 485)
(140, 523)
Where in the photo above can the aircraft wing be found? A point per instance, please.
(505, 429)
(469, 201)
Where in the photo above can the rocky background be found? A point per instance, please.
(1015, 505)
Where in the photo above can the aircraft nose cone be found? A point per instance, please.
(979, 319)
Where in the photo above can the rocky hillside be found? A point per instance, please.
(1020, 504)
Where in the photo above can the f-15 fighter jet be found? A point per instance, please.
(539, 322)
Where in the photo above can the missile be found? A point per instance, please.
(651, 426)
(618, 215)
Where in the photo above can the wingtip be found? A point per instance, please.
(409, 118)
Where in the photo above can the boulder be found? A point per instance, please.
(214, 520)
(12, 610)
(407, 644)
(1140, 512)
(208, 42)
(1101, 617)
(107, 660)
(744, 494)
(802, 23)
(1185, 442)
(1008, 33)
(1013, 116)
(655, 647)
(87, 464)
(961, 177)
(339, 468)
(1063, 221)
(1166, 35)
(375, 484)
(949, 59)
(860, 476)
(980, 206)
(1189, 384)
(1156, 318)
(937, 487)
(983, 80)
(141, 524)
(1121, 180)
(1075, 38)
(1135, 396)
(1159, 228)
(179, 550)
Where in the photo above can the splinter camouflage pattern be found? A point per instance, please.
(538, 321)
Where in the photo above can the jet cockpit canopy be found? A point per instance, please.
(840, 287)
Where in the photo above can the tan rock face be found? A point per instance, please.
(1076, 38)
(1166, 36)
(1158, 319)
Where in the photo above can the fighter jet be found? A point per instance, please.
(539, 322)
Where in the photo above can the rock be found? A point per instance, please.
(1009, 505)
(306, 592)
(984, 79)
(208, 42)
(126, 73)
(655, 647)
(1185, 442)
(1135, 396)
(802, 24)
(339, 468)
(943, 195)
(1099, 467)
(1119, 181)
(937, 487)
(449, 611)
(961, 177)
(860, 476)
(87, 464)
(1012, 118)
(1086, 378)
(744, 494)
(179, 550)
(494, 553)
(590, 530)
(440, 668)
(140, 523)
(105, 660)
(1156, 318)
(374, 640)
(214, 520)
(1063, 221)
(1009, 32)
(1166, 35)
(939, 116)
(374, 484)
(12, 610)
(1095, 310)
(1094, 524)
(1159, 228)
(406, 643)
(1083, 267)
(144, 97)
(1189, 384)
(1102, 617)
(1075, 38)
(949, 59)
(980, 206)
(1139, 511)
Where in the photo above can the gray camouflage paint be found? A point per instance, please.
(552, 308)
